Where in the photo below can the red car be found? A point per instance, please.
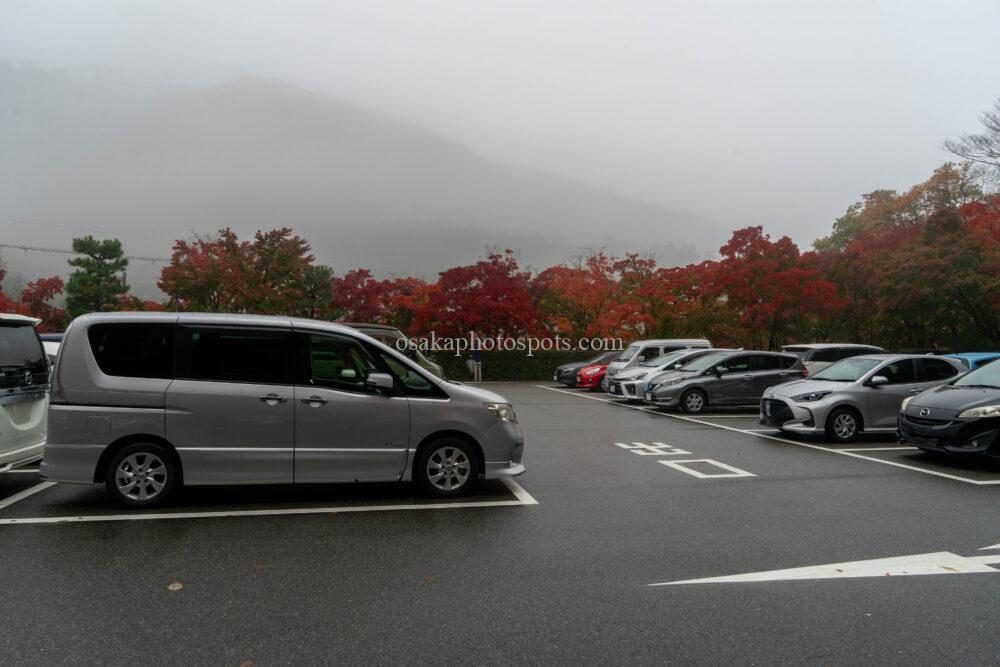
(590, 377)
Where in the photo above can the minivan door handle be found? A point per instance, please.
(273, 399)
(314, 401)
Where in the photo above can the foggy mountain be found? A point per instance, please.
(150, 163)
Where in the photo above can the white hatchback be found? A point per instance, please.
(24, 382)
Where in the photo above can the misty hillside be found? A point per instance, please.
(153, 162)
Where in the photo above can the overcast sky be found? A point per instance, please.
(773, 112)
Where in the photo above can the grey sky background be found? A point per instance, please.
(768, 112)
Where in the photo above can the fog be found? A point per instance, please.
(408, 136)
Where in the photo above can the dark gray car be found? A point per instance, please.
(725, 378)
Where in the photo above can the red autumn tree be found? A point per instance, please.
(490, 297)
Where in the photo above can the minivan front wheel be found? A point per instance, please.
(447, 467)
(141, 475)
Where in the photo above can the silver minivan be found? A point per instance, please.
(24, 380)
(147, 402)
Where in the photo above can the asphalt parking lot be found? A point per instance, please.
(563, 565)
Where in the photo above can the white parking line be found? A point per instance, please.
(10, 500)
(731, 471)
(757, 434)
(873, 449)
(523, 498)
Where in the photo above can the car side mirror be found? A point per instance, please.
(878, 381)
(719, 372)
(380, 381)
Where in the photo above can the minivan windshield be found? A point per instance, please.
(20, 348)
(984, 376)
(629, 352)
(664, 359)
(847, 370)
(702, 363)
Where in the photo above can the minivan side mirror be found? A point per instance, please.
(380, 381)
(878, 381)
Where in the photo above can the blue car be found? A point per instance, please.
(975, 359)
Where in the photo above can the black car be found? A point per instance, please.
(566, 374)
(961, 418)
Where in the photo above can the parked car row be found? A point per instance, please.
(832, 390)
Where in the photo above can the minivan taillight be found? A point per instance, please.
(56, 393)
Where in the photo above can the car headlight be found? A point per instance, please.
(503, 411)
(640, 376)
(671, 383)
(984, 411)
(592, 371)
(811, 396)
(906, 401)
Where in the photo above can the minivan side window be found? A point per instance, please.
(236, 354)
(650, 353)
(936, 369)
(136, 349)
(848, 352)
(413, 383)
(339, 362)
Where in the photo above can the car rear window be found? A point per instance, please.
(20, 348)
(143, 350)
(826, 354)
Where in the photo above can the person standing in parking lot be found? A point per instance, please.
(477, 360)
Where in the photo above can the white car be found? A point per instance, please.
(630, 383)
(24, 381)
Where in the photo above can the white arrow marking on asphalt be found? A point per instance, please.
(942, 562)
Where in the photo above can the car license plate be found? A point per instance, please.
(614, 389)
(767, 409)
(555, 378)
(649, 396)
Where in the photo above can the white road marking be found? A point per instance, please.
(732, 472)
(523, 498)
(873, 449)
(656, 449)
(28, 471)
(10, 500)
(942, 562)
(756, 434)
(518, 491)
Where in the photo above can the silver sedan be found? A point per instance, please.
(856, 395)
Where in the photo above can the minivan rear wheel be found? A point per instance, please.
(141, 475)
(447, 467)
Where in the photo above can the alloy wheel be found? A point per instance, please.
(141, 476)
(448, 468)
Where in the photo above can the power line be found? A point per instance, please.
(26, 248)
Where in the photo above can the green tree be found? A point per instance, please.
(98, 284)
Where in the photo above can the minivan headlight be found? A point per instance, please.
(983, 411)
(811, 396)
(503, 411)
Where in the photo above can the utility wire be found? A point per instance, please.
(26, 248)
